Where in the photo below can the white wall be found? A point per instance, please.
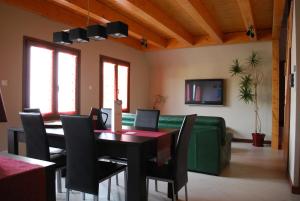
(170, 68)
(16, 23)
(294, 144)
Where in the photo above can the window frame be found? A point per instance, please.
(116, 62)
(27, 43)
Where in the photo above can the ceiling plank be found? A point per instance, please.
(58, 14)
(247, 14)
(154, 14)
(197, 10)
(103, 14)
(278, 10)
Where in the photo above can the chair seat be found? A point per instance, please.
(106, 169)
(54, 150)
(114, 159)
(59, 159)
(163, 171)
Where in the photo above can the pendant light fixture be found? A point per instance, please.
(78, 35)
(61, 37)
(96, 32)
(117, 29)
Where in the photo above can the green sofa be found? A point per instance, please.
(210, 145)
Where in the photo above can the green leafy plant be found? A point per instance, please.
(250, 77)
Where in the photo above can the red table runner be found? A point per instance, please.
(21, 181)
(163, 141)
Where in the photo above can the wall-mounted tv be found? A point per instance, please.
(204, 91)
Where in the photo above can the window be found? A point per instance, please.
(51, 78)
(114, 82)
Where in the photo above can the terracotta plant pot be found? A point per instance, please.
(258, 139)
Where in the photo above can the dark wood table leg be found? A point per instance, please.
(12, 142)
(136, 183)
(50, 179)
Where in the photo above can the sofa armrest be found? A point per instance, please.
(205, 150)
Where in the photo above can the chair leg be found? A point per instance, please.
(83, 196)
(125, 177)
(156, 189)
(186, 195)
(174, 194)
(147, 188)
(117, 179)
(109, 188)
(67, 195)
(125, 183)
(58, 181)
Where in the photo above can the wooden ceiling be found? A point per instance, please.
(167, 24)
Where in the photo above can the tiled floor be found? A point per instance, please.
(254, 174)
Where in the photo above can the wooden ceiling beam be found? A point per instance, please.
(104, 14)
(228, 38)
(247, 15)
(197, 10)
(155, 15)
(278, 10)
(58, 14)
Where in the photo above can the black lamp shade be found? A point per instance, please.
(78, 35)
(96, 32)
(2, 110)
(117, 29)
(61, 37)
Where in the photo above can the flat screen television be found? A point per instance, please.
(204, 91)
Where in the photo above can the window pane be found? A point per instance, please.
(40, 79)
(66, 82)
(123, 85)
(108, 84)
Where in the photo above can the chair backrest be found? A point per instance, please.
(37, 145)
(32, 110)
(81, 154)
(97, 117)
(146, 118)
(180, 159)
(106, 114)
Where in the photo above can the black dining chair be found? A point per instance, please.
(98, 119)
(146, 118)
(84, 170)
(106, 114)
(32, 110)
(175, 171)
(37, 145)
(101, 119)
(52, 150)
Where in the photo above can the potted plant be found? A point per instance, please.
(158, 101)
(250, 77)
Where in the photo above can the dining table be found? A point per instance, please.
(137, 145)
(23, 178)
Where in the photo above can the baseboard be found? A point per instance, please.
(248, 140)
(294, 189)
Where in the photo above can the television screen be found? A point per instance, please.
(204, 91)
